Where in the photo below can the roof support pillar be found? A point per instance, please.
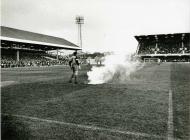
(18, 55)
(182, 46)
(156, 48)
(57, 55)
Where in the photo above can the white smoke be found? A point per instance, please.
(117, 68)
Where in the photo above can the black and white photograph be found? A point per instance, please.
(95, 69)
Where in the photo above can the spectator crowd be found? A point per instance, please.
(164, 49)
(31, 60)
(8, 60)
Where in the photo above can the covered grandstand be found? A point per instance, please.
(24, 48)
(164, 47)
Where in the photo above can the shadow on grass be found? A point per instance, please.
(13, 129)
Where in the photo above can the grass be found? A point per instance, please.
(180, 84)
(138, 105)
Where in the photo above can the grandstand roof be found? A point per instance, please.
(176, 36)
(21, 36)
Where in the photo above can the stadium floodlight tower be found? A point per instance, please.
(79, 22)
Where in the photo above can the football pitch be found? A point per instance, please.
(39, 103)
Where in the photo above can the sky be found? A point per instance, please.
(109, 25)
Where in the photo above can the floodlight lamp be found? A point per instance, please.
(79, 20)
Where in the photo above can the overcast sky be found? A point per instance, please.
(110, 25)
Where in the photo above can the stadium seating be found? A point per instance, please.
(28, 59)
(163, 49)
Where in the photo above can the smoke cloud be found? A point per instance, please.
(116, 68)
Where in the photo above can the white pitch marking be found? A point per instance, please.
(170, 117)
(87, 127)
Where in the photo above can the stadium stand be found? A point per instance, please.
(164, 47)
(23, 48)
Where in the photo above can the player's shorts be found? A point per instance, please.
(75, 70)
